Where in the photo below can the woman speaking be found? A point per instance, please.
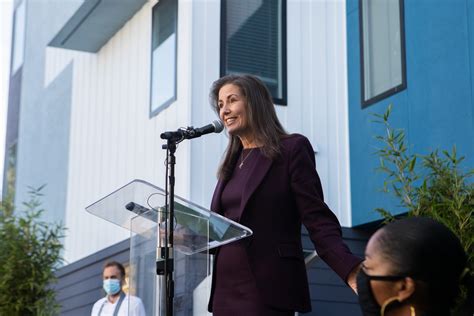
(267, 181)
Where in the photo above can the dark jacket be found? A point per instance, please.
(279, 196)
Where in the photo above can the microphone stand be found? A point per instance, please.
(165, 266)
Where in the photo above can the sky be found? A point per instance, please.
(5, 39)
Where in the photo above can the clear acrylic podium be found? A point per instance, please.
(140, 207)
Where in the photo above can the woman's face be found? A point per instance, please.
(233, 110)
(376, 264)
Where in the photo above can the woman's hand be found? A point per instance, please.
(352, 278)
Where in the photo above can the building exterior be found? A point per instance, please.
(94, 83)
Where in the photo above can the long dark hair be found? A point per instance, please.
(432, 255)
(262, 119)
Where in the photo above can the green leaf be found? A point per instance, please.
(411, 167)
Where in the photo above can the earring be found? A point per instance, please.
(386, 303)
(412, 311)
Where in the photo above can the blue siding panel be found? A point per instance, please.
(470, 31)
(436, 109)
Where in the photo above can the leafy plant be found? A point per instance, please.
(439, 189)
(432, 185)
(30, 253)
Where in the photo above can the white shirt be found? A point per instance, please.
(136, 307)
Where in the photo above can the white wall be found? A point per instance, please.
(113, 140)
(317, 105)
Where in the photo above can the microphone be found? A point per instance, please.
(142, 211)
(191, 132)
(215, 127)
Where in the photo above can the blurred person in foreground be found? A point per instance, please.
(268, 182)
(413, 266)
(116, 302)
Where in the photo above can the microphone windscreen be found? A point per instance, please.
(219, 127)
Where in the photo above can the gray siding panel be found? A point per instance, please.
(78, 288)
(80, 301)
(330, 296)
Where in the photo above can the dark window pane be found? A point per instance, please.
(254, 41)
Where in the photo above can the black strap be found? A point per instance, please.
(117, 307)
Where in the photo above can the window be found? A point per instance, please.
(253, 40)
(163, 60)
(382, 49)
(18, 37)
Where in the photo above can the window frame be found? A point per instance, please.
(283, 101)
(403, 85)
(170, 101)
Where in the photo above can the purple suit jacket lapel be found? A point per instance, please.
(257, 174)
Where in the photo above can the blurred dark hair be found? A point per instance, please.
(116, 264)
(262, 119)
(432, 255)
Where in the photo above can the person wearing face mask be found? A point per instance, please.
(414, 267)
(116, 302)
(268, 182)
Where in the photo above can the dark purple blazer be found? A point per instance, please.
(279, 196)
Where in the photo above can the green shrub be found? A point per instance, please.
(30, 253)
(432, 185)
